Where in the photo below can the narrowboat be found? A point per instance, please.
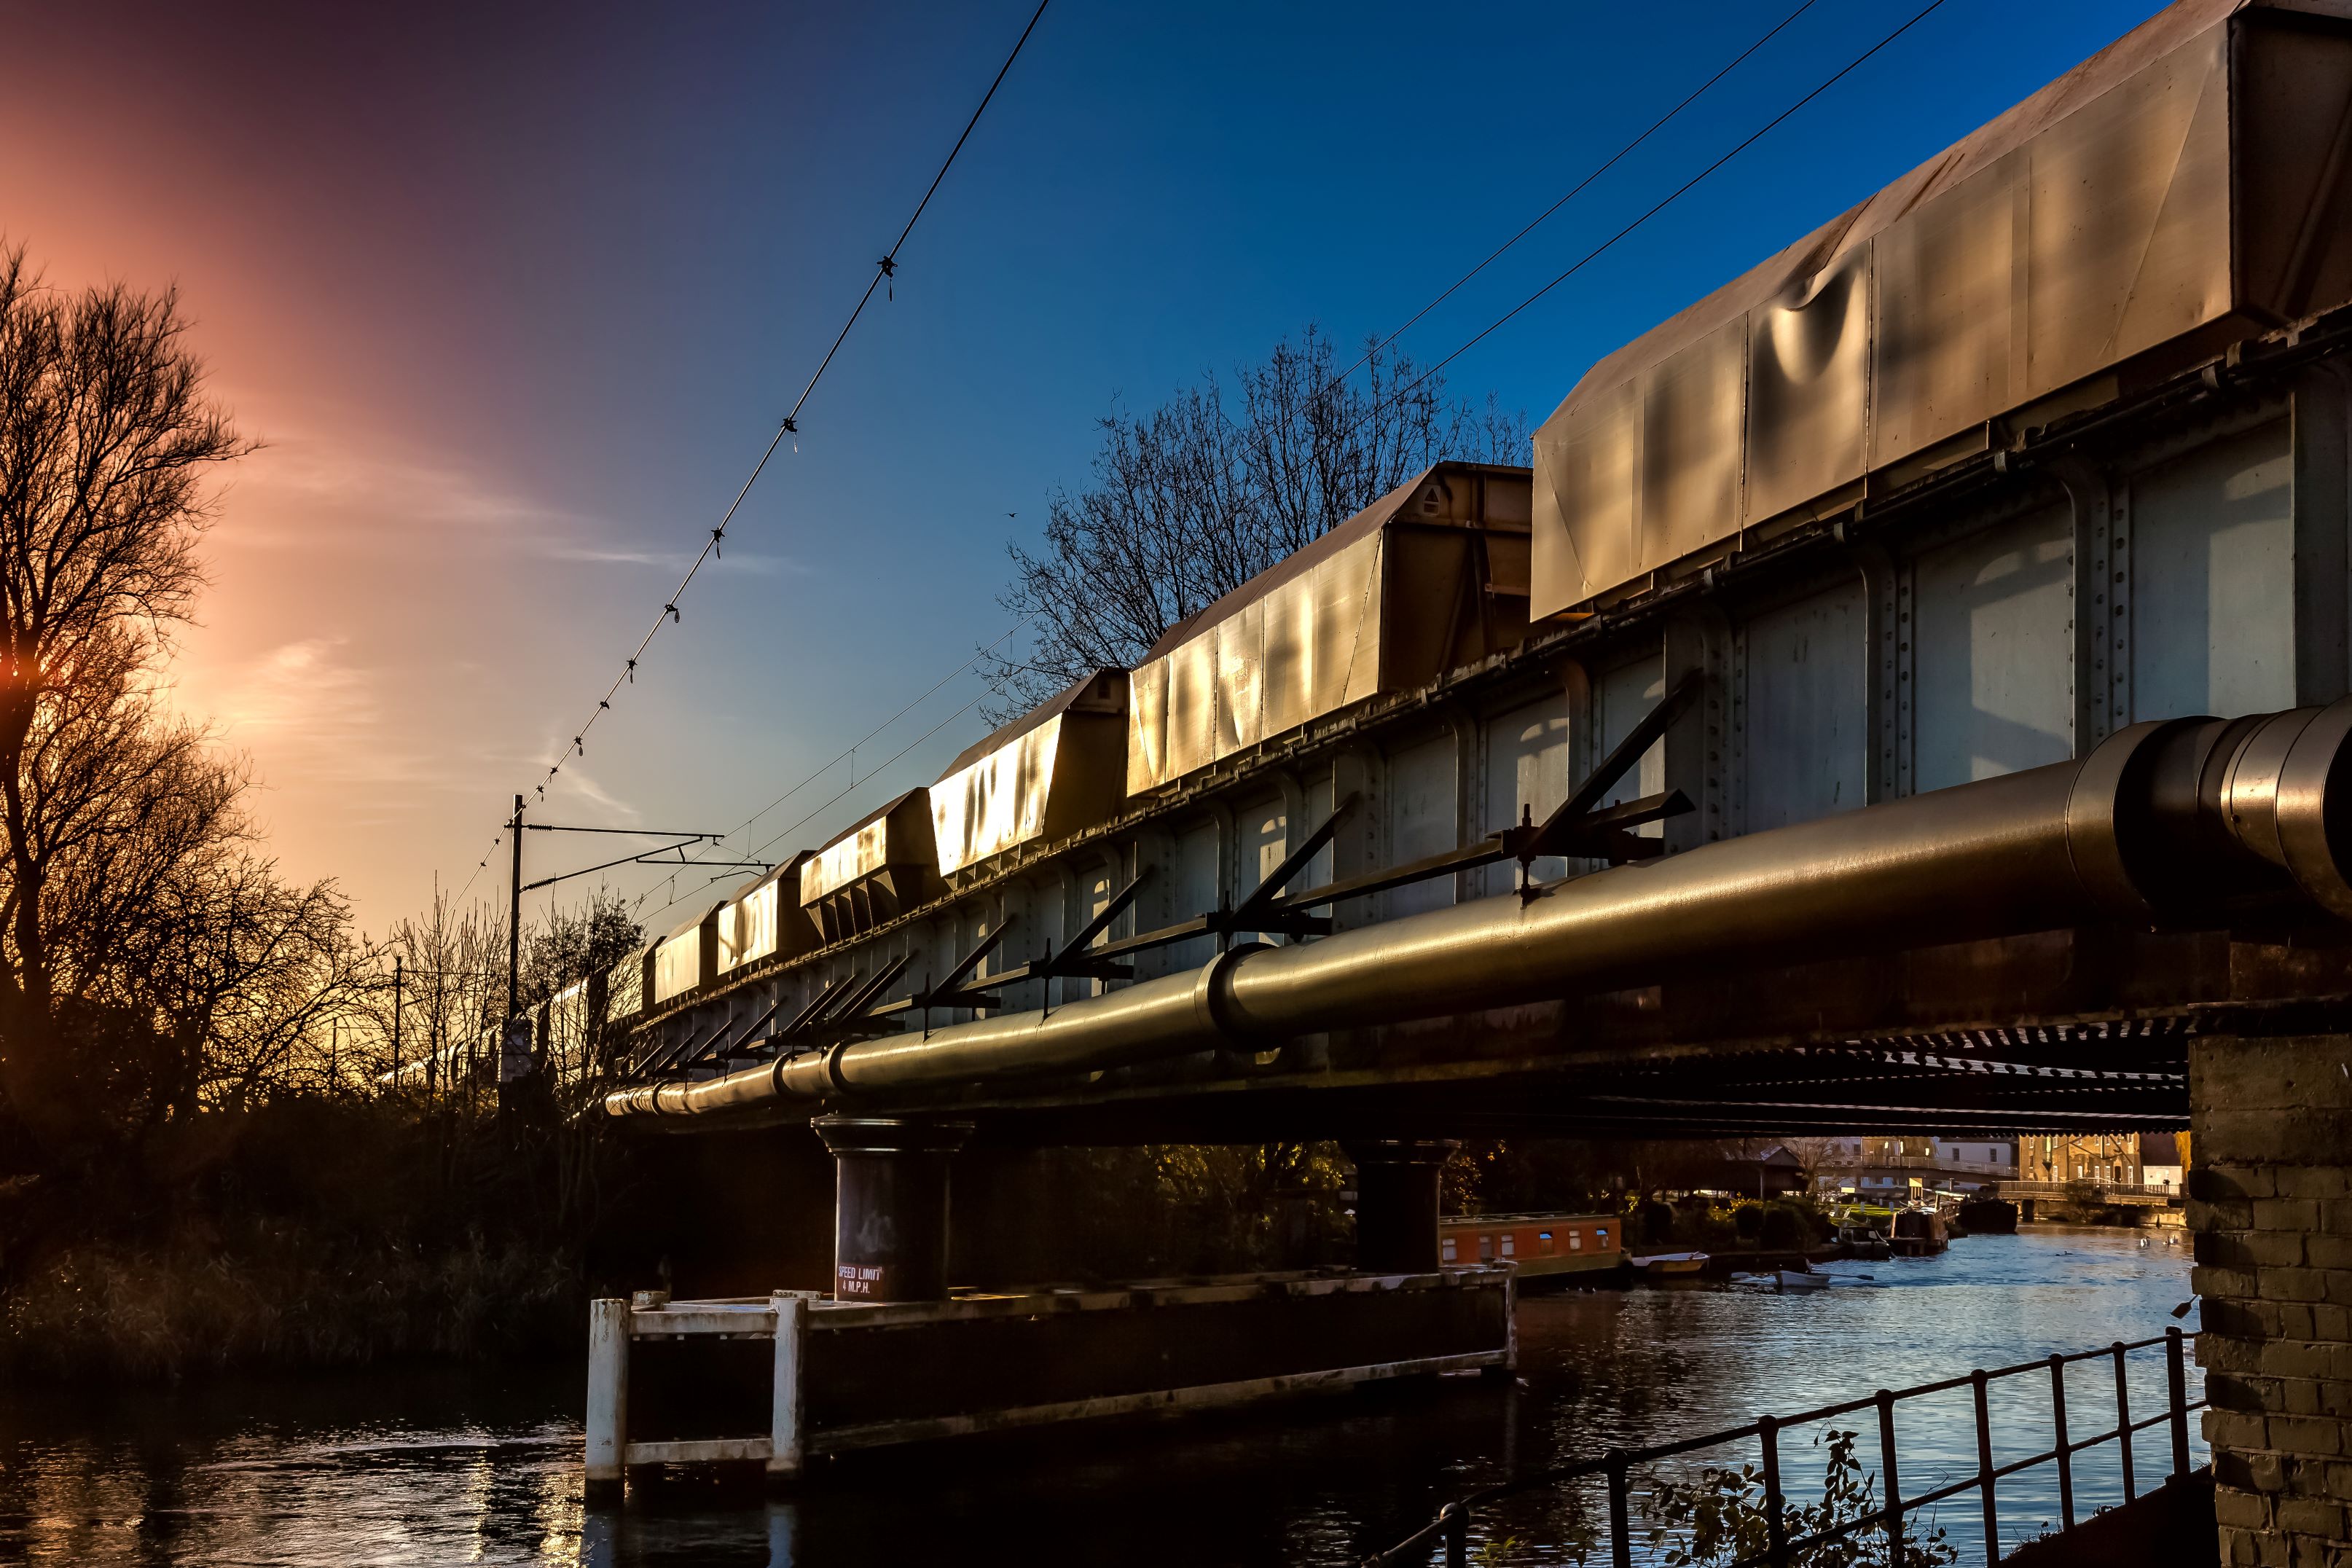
(1988, 1216)
(1541, 1245)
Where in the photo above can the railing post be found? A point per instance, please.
(608, 1392)
(2058, 1426)
(1620, 1526)
(787, 1441)
(2123, 1422)
(2176, 1375)
(1776, 1513)
(1457, 1517)
(1984, 1468)
(1894, 1552)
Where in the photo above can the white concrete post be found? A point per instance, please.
(1511, 1319)
(608, 1391)
(785, 1445)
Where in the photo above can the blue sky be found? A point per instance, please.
(517, 301)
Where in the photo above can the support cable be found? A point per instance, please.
(1675, 194)
(833, 799)
(884, 270)
(1577, 189)
(887, 266)
(1605, 245)
(850, 752)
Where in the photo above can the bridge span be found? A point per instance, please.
(1906, 692)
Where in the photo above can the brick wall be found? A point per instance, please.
(2271, 1205)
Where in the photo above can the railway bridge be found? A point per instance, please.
(1907, 690)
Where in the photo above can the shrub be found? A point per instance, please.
(1720, 1517)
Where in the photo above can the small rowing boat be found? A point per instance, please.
(1668, 1264)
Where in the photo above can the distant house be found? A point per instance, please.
(1892, 1168)
(2099, 1159)
(2163, 1160)
(1775, 1173)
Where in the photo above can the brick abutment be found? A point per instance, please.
(2271, 1206)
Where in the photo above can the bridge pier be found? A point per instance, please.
(890, 1205)
(2271, 1205)
(1396, 1202)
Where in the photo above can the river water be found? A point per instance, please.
(433, 1470)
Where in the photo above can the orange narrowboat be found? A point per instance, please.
(1539, 1244)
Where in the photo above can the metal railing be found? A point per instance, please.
(2096, 1191)
(1451, 1528)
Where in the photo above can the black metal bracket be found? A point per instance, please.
(1264, 911)
(721, 1051)
(1078, 958)
(1582, 827)
(1485, 853)
(660, 1059)
(818, 1006)
(838, 1012)
(952, 990)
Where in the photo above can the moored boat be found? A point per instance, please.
(1540, 1245)
(1919, 1233)
(1863, 1242)
(1988, 1216)
(1668, 1264)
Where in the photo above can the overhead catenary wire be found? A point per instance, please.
(1577, 189)
(884, 270)
(1665, 202)
(1583, 261)
(869, 778)
(1590, 256)
(851, 751)
(835, 799)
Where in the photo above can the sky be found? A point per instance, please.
(513, 296)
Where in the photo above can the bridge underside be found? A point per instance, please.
(1995, 1081)
(2060, 1032)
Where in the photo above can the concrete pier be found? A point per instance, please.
(890, 1208)
(2271, 1207)
(1396, 1202)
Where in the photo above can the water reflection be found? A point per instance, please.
(474, 1469)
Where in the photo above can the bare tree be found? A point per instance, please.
(454, 962)
(105, 441)
(181, 970)
(1195, 498)
(1815, 1157)
(266, 979)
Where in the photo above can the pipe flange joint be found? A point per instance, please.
(1212, 1003)
(2100, 826)
(2312, 814)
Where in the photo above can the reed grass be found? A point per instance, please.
(280, 1301)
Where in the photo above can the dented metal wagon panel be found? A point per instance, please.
(1429, 576)
(2171, 185)
(1056, 770)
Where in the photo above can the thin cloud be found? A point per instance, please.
(670, 562)
(313, 716)
(302, 492)
(576, 779)
(334, 476)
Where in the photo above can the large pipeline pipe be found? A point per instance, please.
(2164, 824)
